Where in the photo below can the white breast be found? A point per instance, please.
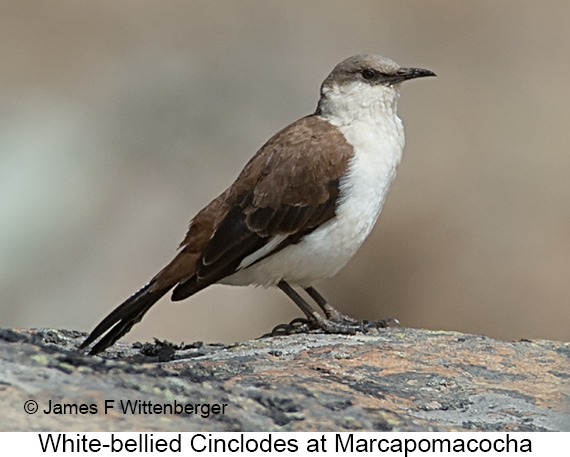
(378, 149)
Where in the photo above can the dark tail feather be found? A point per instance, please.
(122, 318)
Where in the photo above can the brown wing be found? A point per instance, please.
(288, 188)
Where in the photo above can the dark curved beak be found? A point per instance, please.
(403, 74)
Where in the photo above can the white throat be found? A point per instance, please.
(357, 101)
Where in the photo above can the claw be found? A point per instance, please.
(297, 325)
(340, 324)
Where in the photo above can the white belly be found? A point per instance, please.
(323, 252)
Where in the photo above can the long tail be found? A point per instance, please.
(122, 318)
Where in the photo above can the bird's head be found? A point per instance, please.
(364, 84)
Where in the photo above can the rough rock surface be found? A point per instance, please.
(392, 380)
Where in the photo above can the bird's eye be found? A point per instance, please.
(368, 73)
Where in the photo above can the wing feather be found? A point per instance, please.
(288, 189)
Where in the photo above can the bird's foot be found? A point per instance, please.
(339, 324)
(347, 325)
(298, 325)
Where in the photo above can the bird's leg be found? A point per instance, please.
(330, 311)
(337, 317)
(298, 325)
(312, 316)
(314, 319)
(334, 322)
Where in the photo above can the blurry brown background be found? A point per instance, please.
(120, 119)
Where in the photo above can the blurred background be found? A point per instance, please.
(120, 120)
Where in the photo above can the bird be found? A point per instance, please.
(300, 208)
